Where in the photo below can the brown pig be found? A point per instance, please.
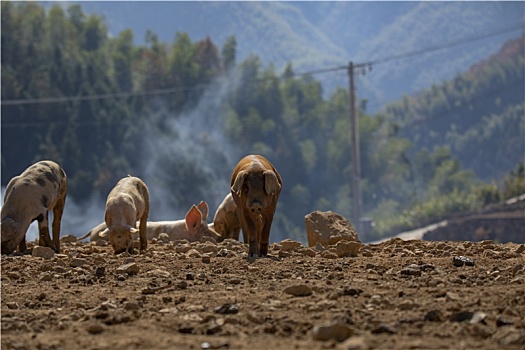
(127, 202)
(226, 222)
(30, 196)
(255, 188)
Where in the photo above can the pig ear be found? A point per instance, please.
(271, 184)
(239, 182)
(203, 207)
(104, 233)
(193, 219)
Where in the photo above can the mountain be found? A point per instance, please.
(314, 35)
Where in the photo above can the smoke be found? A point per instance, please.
(191, 159)
(193, 143)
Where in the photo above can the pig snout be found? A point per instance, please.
(256, 207)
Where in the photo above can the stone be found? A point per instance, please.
(209, 248)
(471, 317)
(131, 306)
(520, 249)
(68, 239)
(163, 237)
(227, 309)
(433, 316)
(101, 243)
(300, 290)
(347, 248)
(289, 244)
(46, 277)
(384, 329)
(462, 260)
(43, 252)
(130, 269)
(328, 228)
(158, 273)
(337, 331)
(193, 253)
(77, 262)
(95, 328)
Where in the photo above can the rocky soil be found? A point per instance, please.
(393, 295)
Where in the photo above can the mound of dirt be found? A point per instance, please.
(393, 295)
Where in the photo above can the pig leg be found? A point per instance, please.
(249, 229)
(265, 236)
(22, 245)
(58, 210)
(43, 229)
(143, 234)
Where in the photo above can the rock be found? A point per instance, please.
(43, 252)
(500, 322)
(412, 270)
(100, 271)
(182, 248)
(68, 239)
(462, 260)
(354, 343)
(328, 228)
(433, 316)
(206, 259)
(13, 275)
(101, 243)
(130, 269)
(227, 309)
(131, 306)
(307, 251)
(329, 255)
(407, 305)
(46, 277)
(95, 328)
(288, 245)
(352, 291)
(382, 329)
(520, 249)
(337, 331)
(158, 273)
(163, 237)
(209, 248)
(12, 305)
(77, 262)
(255, 318)
(347, 248)
(471, 317)
(299, 290)
(193, 253)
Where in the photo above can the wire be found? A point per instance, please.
(203, 86)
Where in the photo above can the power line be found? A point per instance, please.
(441, 46)
(175, 90)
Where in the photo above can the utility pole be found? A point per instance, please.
(356, 157)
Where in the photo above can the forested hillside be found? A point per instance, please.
(180, 115)
(321, 34)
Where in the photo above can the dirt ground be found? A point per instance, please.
(393, 295)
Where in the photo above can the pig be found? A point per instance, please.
(30, 196)
(192, 228)
(255, 188)
(127, 202)
(226, 222)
